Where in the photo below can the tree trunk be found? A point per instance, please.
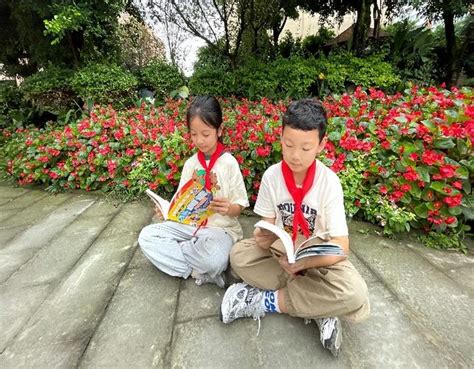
(361, 27)
(448, 17)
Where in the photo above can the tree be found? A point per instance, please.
(447, 11)
(34, 34)
(339, 8)
(139, 46)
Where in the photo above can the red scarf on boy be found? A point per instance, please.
(212, 161)
(298, 194)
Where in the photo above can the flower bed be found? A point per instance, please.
(404, 160)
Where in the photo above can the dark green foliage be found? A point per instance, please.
(161, 78)
(295, 77)
(105, 84)
(50, 90)
(412, 52)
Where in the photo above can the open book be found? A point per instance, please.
(190, 205)
(312, 246)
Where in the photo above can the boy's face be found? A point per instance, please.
(300, 148)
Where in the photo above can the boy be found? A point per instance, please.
(303, 196)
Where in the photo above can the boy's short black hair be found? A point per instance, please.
(306, 115)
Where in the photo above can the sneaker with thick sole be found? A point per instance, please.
(206, 278)
(330, 334)
(241, 301)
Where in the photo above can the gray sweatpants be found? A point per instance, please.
(173, 249)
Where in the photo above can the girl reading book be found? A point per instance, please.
(202, 251)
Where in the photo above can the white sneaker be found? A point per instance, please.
(330, 334)
(242, 301)
(205, 278)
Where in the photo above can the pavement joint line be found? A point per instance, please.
(44, 195)
(8, 241)
(418, 320)
(106, 308)
(45, 244)
(444, 272)
(203, 317)
(169, 346)
(55, 284)
(82, 215)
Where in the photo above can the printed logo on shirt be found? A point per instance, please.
(287, 211)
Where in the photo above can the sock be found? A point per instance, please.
(270, 302)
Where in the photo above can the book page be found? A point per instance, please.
(160, 202)
(285, 238)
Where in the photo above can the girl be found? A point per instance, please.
(182, 250)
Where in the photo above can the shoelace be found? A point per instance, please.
(252, 307)
(327, 328)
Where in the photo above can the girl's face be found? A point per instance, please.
(204, 137)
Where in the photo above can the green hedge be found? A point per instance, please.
(161, 78)
(105, 84)
(294, 77)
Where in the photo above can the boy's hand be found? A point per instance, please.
(264, 237)
(291, 269)
(220, 205)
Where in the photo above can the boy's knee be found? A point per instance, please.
(356, 296)
(238, 253)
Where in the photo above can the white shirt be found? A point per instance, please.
(323, 205)
(232, 187)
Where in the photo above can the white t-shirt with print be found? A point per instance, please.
(323, 205)
(232, 187)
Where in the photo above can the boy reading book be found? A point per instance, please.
(195, 248)
(304, 197)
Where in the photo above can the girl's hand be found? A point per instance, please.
(158, 215)
(264, 237)
(220, 205)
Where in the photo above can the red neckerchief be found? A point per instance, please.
(212, 161)
(298, 194)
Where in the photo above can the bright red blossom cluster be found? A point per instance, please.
(416, 147)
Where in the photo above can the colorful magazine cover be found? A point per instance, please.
(190, 205)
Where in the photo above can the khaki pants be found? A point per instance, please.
(336, 290)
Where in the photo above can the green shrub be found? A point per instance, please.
(50, 90)
(161, 78)
(105, 84)
(295, 77)
(212, 76)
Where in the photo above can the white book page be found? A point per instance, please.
(161, 203)
(285, 238)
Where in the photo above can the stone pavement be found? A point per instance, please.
(76, 292)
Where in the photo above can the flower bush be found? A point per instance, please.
(404, 160)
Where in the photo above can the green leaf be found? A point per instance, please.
(468, 213)
(455, 211)
(421, 211)
(444, 143)
(438, 187)
(462, 172)
(334, 136)
(429, 124)
(423, 172)
(401, 119)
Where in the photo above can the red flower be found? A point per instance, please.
(245, 172)
(450, 220)
(457, 185)
(383, 189)
(453, 201)
(447, 170)
(410, 174)
(263, 151)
